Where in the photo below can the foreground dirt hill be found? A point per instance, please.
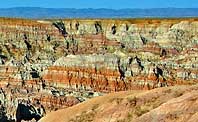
(170, 104)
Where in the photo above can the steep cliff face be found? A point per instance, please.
(100, 55)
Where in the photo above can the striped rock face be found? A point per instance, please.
(100, 55)
(89, 57)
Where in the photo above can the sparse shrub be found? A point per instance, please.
(132, 101)
(140, 111)
(117, 100)
(178, 93)
(95, 106)
(167, 91)
(129, 117)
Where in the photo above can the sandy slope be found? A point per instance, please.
(178, 103)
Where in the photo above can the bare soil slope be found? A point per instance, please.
(170, 104)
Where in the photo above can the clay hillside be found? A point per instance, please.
(172, 104)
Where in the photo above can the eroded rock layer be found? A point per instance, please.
(86, 58)
(104, 55)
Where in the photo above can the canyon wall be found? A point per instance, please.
(100, 55)
(63, 62)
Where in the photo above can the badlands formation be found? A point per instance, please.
(172, 104)
(56, 64)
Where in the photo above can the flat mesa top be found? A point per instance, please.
(154, 21)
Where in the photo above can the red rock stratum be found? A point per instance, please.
(60, 63)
